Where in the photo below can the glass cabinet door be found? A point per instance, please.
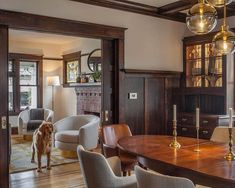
(194, 66)
(213, 67)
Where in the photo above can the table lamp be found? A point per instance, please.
(53, 81)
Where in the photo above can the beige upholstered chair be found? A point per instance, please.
(150, 179)
(74, 130)
(98, 173)
(220, 134)
(31, 119)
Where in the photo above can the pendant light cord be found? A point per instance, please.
(225, 14)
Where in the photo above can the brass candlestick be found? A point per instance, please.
(175, 144)
(230, 156)
(198, 143)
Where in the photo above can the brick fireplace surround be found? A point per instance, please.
(88, 100)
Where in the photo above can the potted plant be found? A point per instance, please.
(97, 76)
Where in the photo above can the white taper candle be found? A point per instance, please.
(197, 117)
(174, 112)
(230, 117)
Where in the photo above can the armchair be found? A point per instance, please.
(31, 119)
(74, 130)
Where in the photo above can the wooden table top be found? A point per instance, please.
(207, 167)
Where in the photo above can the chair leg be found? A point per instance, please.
(124, 173)
(129, 172)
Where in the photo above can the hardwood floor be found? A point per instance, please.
(63, 176)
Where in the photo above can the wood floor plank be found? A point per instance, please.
(63, 176)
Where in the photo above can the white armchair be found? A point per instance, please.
(74, 130)
(31, 119)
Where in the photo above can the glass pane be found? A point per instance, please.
(213, 67)
(193, 52)
(28, 97)
(72, 71)
(10, 66)
(194, 81)
(28, 73)
(10, 94)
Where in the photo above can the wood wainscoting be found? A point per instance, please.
(149, 113)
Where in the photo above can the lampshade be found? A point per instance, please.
(219, 3)
(201, 18)
(53, 80)
(224, 41)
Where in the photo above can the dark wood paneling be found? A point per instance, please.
(4, 136)
(134, 108)
(154, 106)
(108, 86)
(149, 114)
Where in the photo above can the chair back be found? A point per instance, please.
(112, 133)
(149, 179)
(221, 134)
(95, 169)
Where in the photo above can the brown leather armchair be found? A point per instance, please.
(111, 134)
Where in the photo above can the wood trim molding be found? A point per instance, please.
(52, 58)
(159, 73)
(134, 7)
(26, 21)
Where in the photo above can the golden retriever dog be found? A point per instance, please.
(42, 143)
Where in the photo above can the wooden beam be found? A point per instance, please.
(26, 21)
(134, 7)
(175, 7)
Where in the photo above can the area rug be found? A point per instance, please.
(21, 156)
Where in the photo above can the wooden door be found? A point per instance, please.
(4, 138)
(108, 82)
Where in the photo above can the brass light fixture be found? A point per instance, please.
(219, 3)
(201, 18)
(224, 41)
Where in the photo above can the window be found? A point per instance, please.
(72, 67)
(25, 82)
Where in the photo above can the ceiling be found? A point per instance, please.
(36, 37)
(167, 9)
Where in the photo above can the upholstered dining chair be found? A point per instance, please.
(220, 134)
(111, 134)
(100, 172)
(150, 179)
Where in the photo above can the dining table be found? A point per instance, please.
(206, 167)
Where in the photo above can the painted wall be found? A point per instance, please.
(65, 98)
(151, 43)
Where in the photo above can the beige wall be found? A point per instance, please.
(65, 98)
(151, 43)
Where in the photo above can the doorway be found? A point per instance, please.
(35, 60)
(112, 76)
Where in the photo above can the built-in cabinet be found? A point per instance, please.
(203, 85)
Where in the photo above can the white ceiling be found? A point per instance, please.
(156, 3)
(36, 37)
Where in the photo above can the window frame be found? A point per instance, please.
(16, 58)
(76, 56)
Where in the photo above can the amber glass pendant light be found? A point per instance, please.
(219, 3)
(201, 18)
(224, 41)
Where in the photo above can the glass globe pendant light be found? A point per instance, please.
(224, 41)
(219, 3)
(201, 18)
